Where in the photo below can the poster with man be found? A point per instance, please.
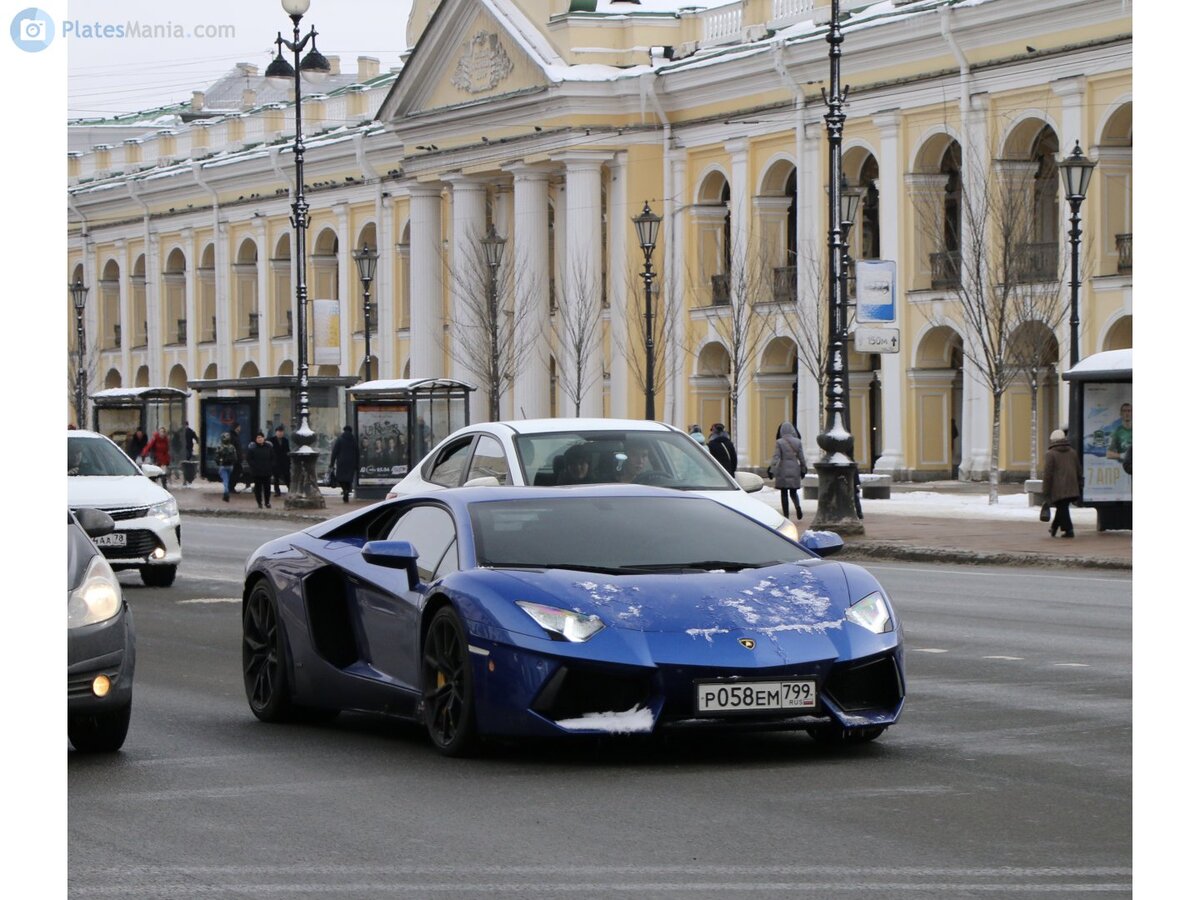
(1107, 442)
(383, 433)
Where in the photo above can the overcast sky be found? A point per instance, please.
(125, 74)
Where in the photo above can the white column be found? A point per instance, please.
(426, 358)
(1071, 93)
(529, 244)
(224, 302)
(266, 365)
(469, 268)
(620, 232)
(383, 341)
(743, 259)
(124, 304)
(811, 243)
(672, 239)
(976, 427)
(891, 177)
(349, 292)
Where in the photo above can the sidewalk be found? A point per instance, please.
(936, 522)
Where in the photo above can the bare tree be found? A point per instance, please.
(664, 330)
(91, 368)
(1034, 347)
(575, 332)
(1005, 282)
(486, 333)
(807, 320)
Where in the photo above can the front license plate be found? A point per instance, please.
(112, 539)
(755, 696)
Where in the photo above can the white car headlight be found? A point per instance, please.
(789, 530)
(872, 613)
(97, 599)
(571, 625)
(168, 509)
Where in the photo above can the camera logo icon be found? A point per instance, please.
(32, 30)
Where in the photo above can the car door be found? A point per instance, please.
(449, 465)
(489, 461)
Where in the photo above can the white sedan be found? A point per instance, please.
(147, 533)
(586, 451)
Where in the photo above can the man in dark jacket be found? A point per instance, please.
(283, 460)
(260, 461)
(343, 460)
(239, 469)
(722, 449)
(1061, 482)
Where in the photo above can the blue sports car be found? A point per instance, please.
(503, 612)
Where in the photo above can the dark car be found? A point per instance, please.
(100, 642)
(528, 611)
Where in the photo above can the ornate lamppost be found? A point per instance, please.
(493, 251)
(837, 468)
(366, 258)
(647, 224)
(305, 494)
(79, 294)
(1076, 173)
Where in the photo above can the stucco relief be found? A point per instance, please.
(483, 65)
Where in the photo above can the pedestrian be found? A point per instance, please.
(158, 449)
(190, 440)
(721, 447)
(788, 467)
(260, 461)
(239, 467)
(1062, 482)
(697, 435)
(283, 460)
(135, 446)
(343, 461)
(226, 460)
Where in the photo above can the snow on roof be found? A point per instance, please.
(382, 385)
(1109, 361)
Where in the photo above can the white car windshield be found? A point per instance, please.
(90, 456)
(664, 458)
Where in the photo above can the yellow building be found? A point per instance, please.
(555, 122)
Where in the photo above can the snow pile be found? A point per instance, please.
(637, 719)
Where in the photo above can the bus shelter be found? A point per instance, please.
(264, 402)
(398, 421)
(1101, 431)
(118, 412)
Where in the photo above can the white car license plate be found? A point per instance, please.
(755, 696)
(112, 539)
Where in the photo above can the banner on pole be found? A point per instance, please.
(875, 290)
(327, 333)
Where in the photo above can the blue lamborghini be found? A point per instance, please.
(507, 612)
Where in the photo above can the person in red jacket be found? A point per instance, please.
(158, 449)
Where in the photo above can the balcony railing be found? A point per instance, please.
(252, 329)
(1125, 254)
(1036, 262)
(784, 284)
(720, 289)
(181, 331)
(116, 336)
(946, 269)
(721, 23)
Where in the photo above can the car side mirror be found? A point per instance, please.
(748, 481)
(95, 522)
(151, 471)
(393, 555)
(483, 481)
(822, 543)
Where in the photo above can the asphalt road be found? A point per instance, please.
(1008, 775)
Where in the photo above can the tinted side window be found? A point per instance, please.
(430, 529)
(489, 460)
(447, 468)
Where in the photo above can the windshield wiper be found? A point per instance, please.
(704, 565)
(600, 570)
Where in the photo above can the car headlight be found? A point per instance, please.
(97, 599)
(168, 509)
(872, 613)
(789, 530)
(572, 626)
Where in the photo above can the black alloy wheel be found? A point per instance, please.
(447, 692)
(263, 669)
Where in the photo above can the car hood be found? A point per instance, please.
(805, 598)
(111, 491)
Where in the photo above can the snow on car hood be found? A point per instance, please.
(110, 491)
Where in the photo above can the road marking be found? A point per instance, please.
(213, 600)
(928, 650)
(1010, 658)
(1072, 665)
(877, 567)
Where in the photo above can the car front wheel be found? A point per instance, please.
(447, 693)
(263, 669)
(157, 576)
(100, 732)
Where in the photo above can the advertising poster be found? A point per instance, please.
(327, 333)
(219, 417)
(875, 288)
(1107, 441)
(383, 443)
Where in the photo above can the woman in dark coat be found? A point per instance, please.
(788, 467)
(343, 459)
(1061, 481)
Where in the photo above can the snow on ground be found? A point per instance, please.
(947, 505)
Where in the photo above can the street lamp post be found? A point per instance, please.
(304, 493)
(79, 294)
(837, 468)
(647, 224)
(1076, 173)
(366, 259)
(493, 250)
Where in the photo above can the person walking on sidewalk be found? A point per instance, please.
(260, 460)
(788, 467)
(135, 446)
(697, 435)
(283, 460)
(158, 448)
(239, 473)
(1062, 482)
(722, 449)
(343, 459)
(226, 459)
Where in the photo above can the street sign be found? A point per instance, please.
(875, 290)
(876, 340)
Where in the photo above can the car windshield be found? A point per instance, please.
(623, 534)
(664, 458)
(93, 456)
